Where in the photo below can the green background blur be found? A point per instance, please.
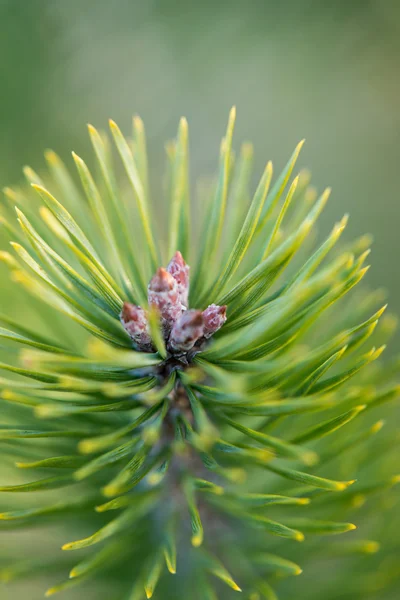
(328, 71)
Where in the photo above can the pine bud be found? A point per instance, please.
(214, 317)
(163, 294)
(187, 330)
(134, 320)
(180, 272)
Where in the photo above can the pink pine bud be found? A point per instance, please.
(187, 330)
(163, 294)
(214, 317)
(180, 272)
(134, 320)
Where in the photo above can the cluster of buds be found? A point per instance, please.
(168, 293)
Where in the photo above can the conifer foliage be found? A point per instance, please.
(191, 402)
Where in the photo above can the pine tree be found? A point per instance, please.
(198, 394)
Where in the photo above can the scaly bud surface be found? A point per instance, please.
(163, 294)
(168, 292)
(214, 317)
(187, 330)
(180, 272)
(134, 320)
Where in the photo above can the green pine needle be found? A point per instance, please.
(179, 460)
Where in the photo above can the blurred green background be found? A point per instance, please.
(328, 71)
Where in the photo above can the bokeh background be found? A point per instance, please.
(328, 71)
